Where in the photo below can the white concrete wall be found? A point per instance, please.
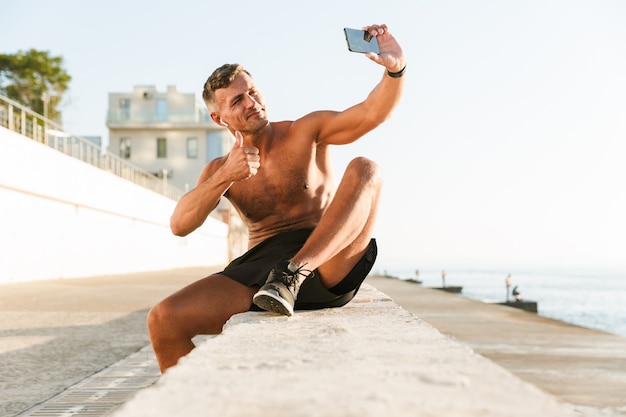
(63, 218)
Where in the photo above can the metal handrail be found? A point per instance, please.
(26, 122)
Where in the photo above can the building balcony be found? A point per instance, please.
(150, 118)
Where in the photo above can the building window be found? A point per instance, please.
(125, 148)
(124, 108)
(214, 144)
(192, 148)
(161, 148)
(161, 110)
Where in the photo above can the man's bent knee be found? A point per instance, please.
(156, 319)
(163, 320)
(366, 170)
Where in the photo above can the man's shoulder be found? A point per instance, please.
(211, 167)
(283, 124)
(216, 161)
(307, 126)
(317, 116)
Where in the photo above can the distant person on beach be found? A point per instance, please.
(507, 282)
(443, 279)
(310, 241)
(517, 294)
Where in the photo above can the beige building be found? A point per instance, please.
(165, 133)
(171, 135)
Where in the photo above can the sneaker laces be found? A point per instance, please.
(291, 277)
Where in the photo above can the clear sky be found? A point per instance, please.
(506, 152)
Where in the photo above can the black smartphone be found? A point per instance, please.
(361, 41)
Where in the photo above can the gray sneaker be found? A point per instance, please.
(280, 291)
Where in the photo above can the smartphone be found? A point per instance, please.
(361, 41)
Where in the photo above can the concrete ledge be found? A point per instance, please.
(369, 358)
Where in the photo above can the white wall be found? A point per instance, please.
(63, 218)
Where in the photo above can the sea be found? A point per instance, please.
(595, 300)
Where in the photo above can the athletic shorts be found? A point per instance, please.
(253, 267)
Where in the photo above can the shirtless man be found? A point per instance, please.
(310, 241)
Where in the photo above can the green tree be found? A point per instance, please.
(34, 79)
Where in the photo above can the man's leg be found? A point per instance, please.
(336, 244)
(344, 232)
(202, 307)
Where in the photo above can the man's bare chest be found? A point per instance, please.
(273, 191)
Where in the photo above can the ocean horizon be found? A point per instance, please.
(591, 299)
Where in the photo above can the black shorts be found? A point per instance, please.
(253, 267)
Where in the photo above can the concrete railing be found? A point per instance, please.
(26, 122)
(369, 358)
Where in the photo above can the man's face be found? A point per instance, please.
(241, 105)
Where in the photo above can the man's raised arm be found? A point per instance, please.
(347, 126)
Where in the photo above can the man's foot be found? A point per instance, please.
(281, 288)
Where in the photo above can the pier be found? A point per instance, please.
(82, 344)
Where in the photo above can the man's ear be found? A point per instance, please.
(217, 119)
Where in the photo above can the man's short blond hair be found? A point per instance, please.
(221, 78)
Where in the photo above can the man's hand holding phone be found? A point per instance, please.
(382, 47)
